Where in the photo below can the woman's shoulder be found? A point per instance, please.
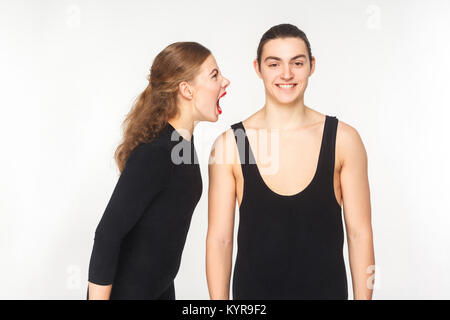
(158, 144)
(152, 152)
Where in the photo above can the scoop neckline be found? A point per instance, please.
(316, 173)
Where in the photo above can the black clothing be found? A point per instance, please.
(290, 247)
(141, 235)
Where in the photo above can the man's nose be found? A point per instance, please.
(287, 73)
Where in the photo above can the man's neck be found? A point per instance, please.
(285, 116)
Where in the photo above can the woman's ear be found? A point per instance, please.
(185, 90)
(256, 66)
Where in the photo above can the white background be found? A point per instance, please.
(70, 70)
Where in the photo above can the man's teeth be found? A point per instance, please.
(286, 86)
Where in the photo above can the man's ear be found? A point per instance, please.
(185, 90)
(256, 66)
(313, 65)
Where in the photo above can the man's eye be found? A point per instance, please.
(299, 63)
(273, 65)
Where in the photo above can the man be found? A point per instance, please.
(290, 236)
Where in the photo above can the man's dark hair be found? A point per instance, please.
(284, 30)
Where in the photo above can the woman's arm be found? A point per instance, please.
(98, 292)
(221, 206)
(357, 211)
(144, 175)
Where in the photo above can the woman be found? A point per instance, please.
(290, 237)
(141, 235)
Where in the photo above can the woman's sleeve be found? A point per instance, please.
(145, 174)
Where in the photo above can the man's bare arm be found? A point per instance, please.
(221, 209)
(357, 209)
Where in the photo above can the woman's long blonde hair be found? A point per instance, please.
(178, 62)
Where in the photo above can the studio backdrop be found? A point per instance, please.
(70, 71)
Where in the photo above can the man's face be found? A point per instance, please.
(285, 69)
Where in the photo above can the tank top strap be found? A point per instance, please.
(246, 157)
(327, 157)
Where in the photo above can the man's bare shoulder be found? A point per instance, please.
(224, 150)
(349, 144)
(254, 121)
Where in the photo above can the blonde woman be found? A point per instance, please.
(141, 235)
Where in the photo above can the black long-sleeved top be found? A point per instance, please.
(139, 240)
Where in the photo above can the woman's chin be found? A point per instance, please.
(210, 116)
(213, 117)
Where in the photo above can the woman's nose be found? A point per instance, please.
(226, 82)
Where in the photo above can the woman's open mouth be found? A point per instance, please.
(218, 106)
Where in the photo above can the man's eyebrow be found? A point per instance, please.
(298, 56)
(273, 58)
(213, 71)
(279, 59)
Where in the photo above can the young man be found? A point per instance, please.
(290, 237)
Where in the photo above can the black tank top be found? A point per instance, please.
(290, 247)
